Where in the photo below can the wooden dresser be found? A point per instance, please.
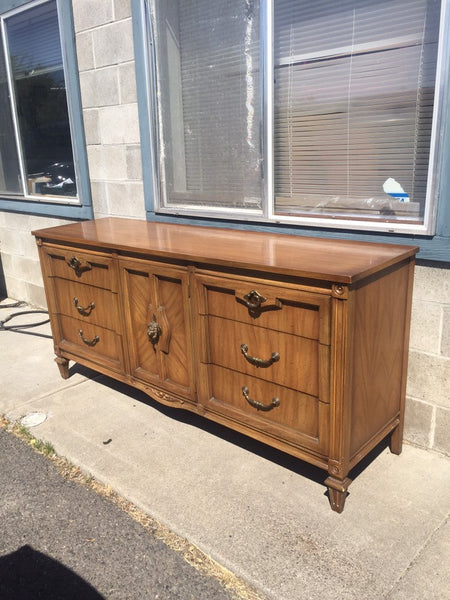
(298, 342)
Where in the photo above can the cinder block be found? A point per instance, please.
(16, 289)
(442, 431)
(122, 9)
(119, 124)
(425, 326)
(127, 85)
(11, 241)
(429, 378)
(91, 126)
(100, 87)
(431, 284)
(16, 221)
(91, 13)
(134, 162)
(445, 341)
(107, 163)
(99, 198)
(126, 200)
(113, 44)
(36, 297)
(85, 51)
(418, 421)
(27, 269)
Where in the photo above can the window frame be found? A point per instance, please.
(434, 244)
(79, 207)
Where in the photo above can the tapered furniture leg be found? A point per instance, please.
(396, 439)
(337, 491)
(63, 365)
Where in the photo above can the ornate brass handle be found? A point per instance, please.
(259, 405)
(92, 342)
(76, 264)
(154, 331)
(253, 300)
(259, 362)
(82, 310)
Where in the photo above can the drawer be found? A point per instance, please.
(90, 341)
(254, 302)
(90, 268)
(87, 303)
(283, 358)
(274, 409)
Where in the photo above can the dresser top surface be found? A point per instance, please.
(342, 261)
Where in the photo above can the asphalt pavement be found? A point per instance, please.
(60, 540)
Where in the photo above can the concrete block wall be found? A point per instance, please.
(104, 40)
(107, 77)
(427, 421)
(20, 271)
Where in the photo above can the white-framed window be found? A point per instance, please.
(36, 152)
(321, 113)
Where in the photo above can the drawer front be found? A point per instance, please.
(87, 303)
(90, 341)
(254, 302)
(281, 358)
(90, 268)
(272, 409)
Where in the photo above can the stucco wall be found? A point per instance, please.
(105, 56)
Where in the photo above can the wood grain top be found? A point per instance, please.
(340, 261)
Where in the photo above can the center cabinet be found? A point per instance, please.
(300, 343)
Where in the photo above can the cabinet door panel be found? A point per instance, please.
(157, 321)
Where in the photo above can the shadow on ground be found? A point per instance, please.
(278, 457)
(27, 574)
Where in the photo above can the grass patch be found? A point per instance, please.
(191, 554)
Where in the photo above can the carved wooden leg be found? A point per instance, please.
(337, 490)
(63, 365)
(396, 440)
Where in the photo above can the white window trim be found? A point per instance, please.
(70, 200)
(267, 214)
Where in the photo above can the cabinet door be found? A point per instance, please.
(264, 358)
(156, 301)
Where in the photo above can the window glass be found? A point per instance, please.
(208, 98)
(10, 180)
(40, 100)
(353, 107)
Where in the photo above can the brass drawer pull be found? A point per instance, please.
(253, 300)
(82, 310)
(259, 405)
(92, 342)
(259, 362)
(154, 331)
(79, 268)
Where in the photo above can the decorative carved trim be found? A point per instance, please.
(338, 290)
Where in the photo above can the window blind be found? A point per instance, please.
(353, 104)
(208, 100)
(33, 39)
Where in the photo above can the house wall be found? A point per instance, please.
(105, 52)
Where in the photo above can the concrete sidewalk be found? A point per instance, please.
(258, 512)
